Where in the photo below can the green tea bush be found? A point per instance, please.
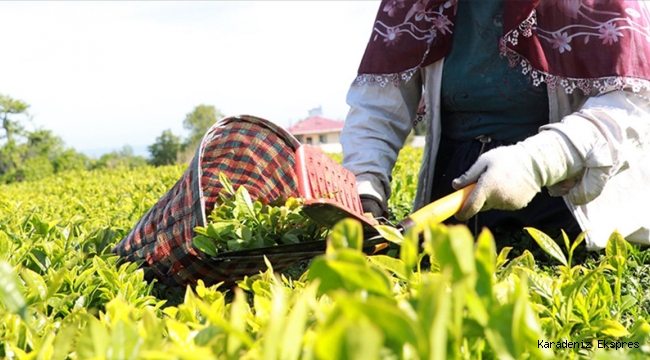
(63, 295)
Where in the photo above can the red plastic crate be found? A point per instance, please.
(325, 184)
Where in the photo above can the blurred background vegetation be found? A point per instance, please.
(29, 153)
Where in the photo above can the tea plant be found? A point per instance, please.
(63, 295)
(238, 223)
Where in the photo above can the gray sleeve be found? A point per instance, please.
(611, 131)
(375, 130)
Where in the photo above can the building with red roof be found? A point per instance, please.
(319, 132)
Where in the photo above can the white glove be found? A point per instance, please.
(508, 177)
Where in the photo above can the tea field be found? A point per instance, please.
(63, 295)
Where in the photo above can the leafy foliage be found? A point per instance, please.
(403, 189)
(63, 295)
(9, 109)
(119, 159)
(35, 155)
(27, 155)
(165, 150)
(199, 121)
(238, 223)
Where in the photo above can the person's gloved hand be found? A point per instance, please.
(373, 205)
(509, 177)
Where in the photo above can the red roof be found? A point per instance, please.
(314, 125)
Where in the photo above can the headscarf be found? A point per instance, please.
(584, 44)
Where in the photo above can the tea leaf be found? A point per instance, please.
(627, 302)
(579, 240)
(205, 244)
(348, 271)
(391, 264)
(541, 283)
(347, 233)
(392, 318)
(35, 283)
(63, 341)
(296, 324)
(611, 328)
(441, 308)
(640, 331)
(485, 255)
(548, 245)
(125, 341)
(245, 204)
(616, 251)
(592, 276)
(10, 295)
(390, 233)
(477, 308)
(226, 184)
(502, 258)
(451, 249)
(526, 328)
(409, 249)
(290, 239)
(219, 229)
(277, 316)
(55, 282)
(238, 310)
(350, 340)
(92, 341)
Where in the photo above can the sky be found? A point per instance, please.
(102, 74)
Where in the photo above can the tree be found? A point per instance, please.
(199, 121)
(37, 154)
(10, 158)
(120, 159)
(30, 155)
(31, 158)
(165, 150)
(42, 142)
(69, 160)
(12, 153)
(9, 106)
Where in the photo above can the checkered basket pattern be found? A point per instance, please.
(251, 152)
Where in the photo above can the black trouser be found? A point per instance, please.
(544, 212)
